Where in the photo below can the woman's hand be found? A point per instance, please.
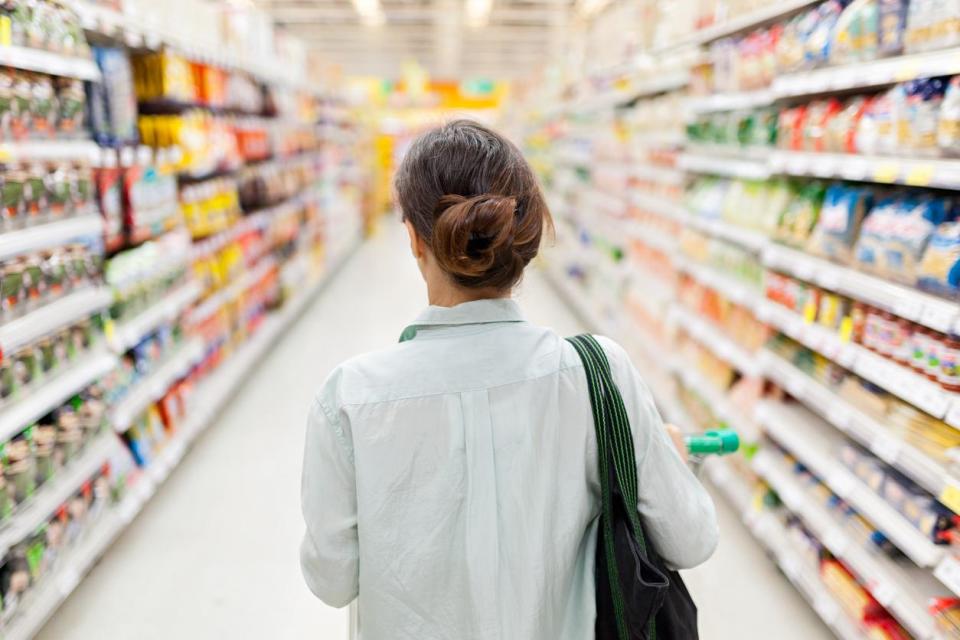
(678, 441)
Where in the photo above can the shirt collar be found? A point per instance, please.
(477, 312)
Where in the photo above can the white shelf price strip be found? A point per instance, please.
(903, 593)
(53, 234)
(725, 166)
(48, 62)
(54, 391)
(151, 388)
(897, 379)
(130, 332)
(60, 313)
(806, 437)
(901, 300)
(717, 341)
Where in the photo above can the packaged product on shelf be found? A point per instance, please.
(932, 25)
(799, 218)
(947, 613)
(112, 101)
(44, 24)
(844, 208)
(948, 126)
(939, 270)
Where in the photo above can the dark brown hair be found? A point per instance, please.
(472, 197)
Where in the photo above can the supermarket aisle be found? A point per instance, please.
(214, 555)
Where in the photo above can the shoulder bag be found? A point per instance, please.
(638, 597)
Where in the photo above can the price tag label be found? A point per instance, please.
(886, 448)
(920, 175)
(938, 316)
(886, 172)
(837, 542)
(128, 509)
(909, 309)
(69, 579)
(885, 593)
(953, 415)
(110, 331)
(839, 417)
(804, 270)
(842, 483)
(948, 572)
(950, 497)
(906, 71)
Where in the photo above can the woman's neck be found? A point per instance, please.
(447, 294)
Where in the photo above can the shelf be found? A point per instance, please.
(60, 313)
(236, 288)
(660, 83)
(717, 341)
(145, 34)
(155, 385)
(745, 22)
(671, 176)
(897, 379)
(868, 431)
(720, 165)
(864, 75)
(53, 392)
(732, 289)
(904, 301)
(917, 172)
(210, 396)
(650, 236)
(772, 534)
(717, 400)
(27, 517)
(130, 332)
(45, 150)
(814, 443)
(902, 591)
(662, 207)
(52, 234)
(732, 101)
(50, 63)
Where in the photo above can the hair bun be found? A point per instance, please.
(473, 236)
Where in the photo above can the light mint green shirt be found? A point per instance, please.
(451, 482)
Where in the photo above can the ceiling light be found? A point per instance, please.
(589, 8)
(478, 12)
(370, 12)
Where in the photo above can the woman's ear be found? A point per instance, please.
(417, 246)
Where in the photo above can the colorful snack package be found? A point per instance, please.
(892, 25)
(844, 208)
(939, 270)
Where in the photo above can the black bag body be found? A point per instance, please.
(638, 597)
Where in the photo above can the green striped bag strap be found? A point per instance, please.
(614, 443)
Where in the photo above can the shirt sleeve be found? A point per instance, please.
(329, 553)
(678, 513)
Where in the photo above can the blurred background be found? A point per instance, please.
(758, 200)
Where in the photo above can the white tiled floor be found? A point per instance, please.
(214, 555)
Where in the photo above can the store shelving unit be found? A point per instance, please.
(53, 391)
(154, 385)
(28, 517)
(44, 320)
(172, 305)
(54, 64)
(900, 591)
(208, 400)
(52, 234)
